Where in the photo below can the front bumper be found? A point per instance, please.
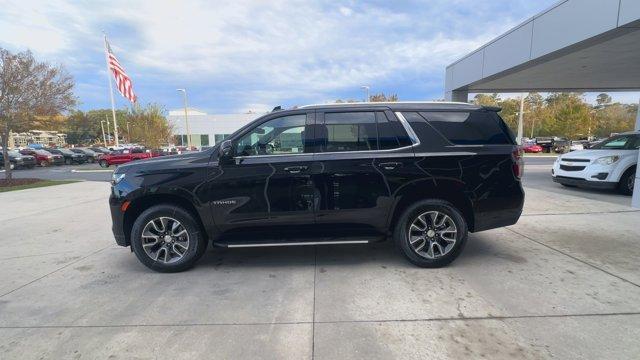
(584, 183)
(117, 219)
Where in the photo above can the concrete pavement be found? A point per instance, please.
(564, 282)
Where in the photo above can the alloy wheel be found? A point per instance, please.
(165, 240)
(432, 234)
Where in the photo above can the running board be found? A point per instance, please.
(302, 243)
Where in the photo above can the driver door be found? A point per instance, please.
(269, 182)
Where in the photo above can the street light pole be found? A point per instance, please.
(108, 129)
(366, 89)
(186, 117)
(104, 137)
(521, 121)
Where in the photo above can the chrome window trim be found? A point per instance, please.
(412, 135)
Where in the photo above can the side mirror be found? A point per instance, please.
(225, 148)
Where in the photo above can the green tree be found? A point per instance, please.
(149, 126)
(29, 88)
(381, 97)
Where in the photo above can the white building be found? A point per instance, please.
(206, 130)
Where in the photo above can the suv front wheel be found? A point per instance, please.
(431, 233)
(166, 238)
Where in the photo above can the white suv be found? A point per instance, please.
(609, 165)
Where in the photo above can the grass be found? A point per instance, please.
(36, 184)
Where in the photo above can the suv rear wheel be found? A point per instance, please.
(431, 233)
(166, 238)
(104, 163)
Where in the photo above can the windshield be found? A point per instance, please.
(14, 153)
(621, 142)
(43, 152)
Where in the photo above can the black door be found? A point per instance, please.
(269, 182)
(356, 165)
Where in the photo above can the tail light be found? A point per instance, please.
(518, 162)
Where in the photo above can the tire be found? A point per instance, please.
(568, 185)
(68, 161)
(103, 163)
(44, 163)
(627, 180)
(12, 166)
(401, 233)
(195, 247)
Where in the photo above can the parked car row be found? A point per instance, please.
(30, 157)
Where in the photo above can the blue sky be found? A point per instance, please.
(252, 55)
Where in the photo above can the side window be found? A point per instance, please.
(350, 131)
(387, 138)
(283, 135)
(469, 128)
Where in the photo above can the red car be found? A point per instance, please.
(43, 157)
(118, 157)
(532, 148)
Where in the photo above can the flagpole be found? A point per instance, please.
(113, 106)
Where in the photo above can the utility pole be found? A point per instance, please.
(186, 117)
(104, 137)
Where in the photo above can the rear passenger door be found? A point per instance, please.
(359, 157)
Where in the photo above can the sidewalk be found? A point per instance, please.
(564, 282)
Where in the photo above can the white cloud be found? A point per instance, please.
(345, 11)
(255, 52)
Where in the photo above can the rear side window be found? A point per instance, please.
(470, 127)
(351, 131)
(387, 138)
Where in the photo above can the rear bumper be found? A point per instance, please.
(584, 183)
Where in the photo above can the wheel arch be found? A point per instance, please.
(140, 204)
(447, 190)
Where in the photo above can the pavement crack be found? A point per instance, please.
(54, 271)
(573, 257)
(435, 319)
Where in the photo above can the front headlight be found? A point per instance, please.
(116, 178)
(607, 160)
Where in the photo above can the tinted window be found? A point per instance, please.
(283, 135)
(351, 131)
(469, 128)
(619, 143)
(387, 138)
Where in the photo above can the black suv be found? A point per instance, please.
(423, 174)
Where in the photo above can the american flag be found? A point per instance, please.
(123, 81)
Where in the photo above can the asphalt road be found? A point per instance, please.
(90, 172)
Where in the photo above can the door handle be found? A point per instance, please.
(295, 169)
(389, 165)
